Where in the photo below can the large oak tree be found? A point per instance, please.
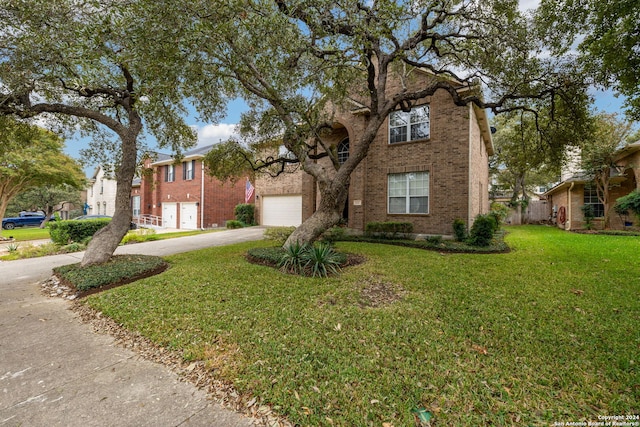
(31, 157)
(97, 66)
(287, 58)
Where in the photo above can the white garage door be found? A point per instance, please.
(169, 217)
(282, 210)
(188, 216)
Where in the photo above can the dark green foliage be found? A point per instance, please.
(65, 232)
(269, 256)
(630, 202)
(459, 229)
(388, 229)
(334, 234)
(317, 261)
(434, 240)
(321, 260)
(589, 214)
(278, 234)
(293, 258)
(482, 231)
(232, 224)
(120, 269)
(245, 213)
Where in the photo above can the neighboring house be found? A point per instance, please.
(180, 194)
(565, 200)
(427, 167)
(101, 193)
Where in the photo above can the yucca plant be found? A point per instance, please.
(321, 260)
(293, 259)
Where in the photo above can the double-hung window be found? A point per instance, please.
(169, 173)
(411, 126)
(408, 193)
(591, 198)
(188, 170)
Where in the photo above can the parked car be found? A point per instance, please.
(132, 226)
(25, 219)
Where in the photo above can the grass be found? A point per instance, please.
(22, 234)
(546, 333)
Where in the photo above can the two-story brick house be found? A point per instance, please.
(427, 167)
(182, 195)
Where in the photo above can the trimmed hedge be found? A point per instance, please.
(65, 232)
(119, 270)
(390, 228)
(233, 224)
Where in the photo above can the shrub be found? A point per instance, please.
(630, 202)
(245, 213)
(459, 229)
(120, 269)
(388, 229)
(434, 240)
(293, 259)
(278, 234)
(140, 235)
(482, 230)
(233, 224)
(334, 234)
(64, 232)
(500, 212)
(321, 260)
(72, 247)
(588, 214)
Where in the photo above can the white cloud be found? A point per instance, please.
(528, 4)
(210, 134)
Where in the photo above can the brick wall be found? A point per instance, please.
(219, 198)
(456, 189)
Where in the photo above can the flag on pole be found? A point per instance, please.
(248, 192)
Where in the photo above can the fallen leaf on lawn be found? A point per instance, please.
(307, 411)
(387, 425)
(577, 291)
(374, 401)
(295, 393)
(316, 389)
(338, 327)
(479, 349)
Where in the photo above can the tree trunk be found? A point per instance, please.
(328, 214)
(106, 241)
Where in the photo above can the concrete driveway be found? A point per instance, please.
(55, 371)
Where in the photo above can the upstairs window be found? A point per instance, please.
(411, 126)
(188, 170)
(169, 173)
(343, 151)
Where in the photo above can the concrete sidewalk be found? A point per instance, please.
(55, 371)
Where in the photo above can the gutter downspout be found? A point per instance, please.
(202, 196)
(567, 224)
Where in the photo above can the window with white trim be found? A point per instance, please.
(169, 173)
(188, 170)
(343, 151)
(408, 193)
(411, 126)
(591, 198)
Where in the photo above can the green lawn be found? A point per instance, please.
(546, 333)
(22, 234)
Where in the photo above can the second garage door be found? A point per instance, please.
(188, 216)
(282, 210)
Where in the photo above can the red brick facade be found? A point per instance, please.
(455, 156)
(211, 201)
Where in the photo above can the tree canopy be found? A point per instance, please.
(607, 36)
(339, 55)
(99, 67)
(31, 157)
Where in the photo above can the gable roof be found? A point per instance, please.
(195, 153)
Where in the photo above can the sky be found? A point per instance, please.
(210, 133)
